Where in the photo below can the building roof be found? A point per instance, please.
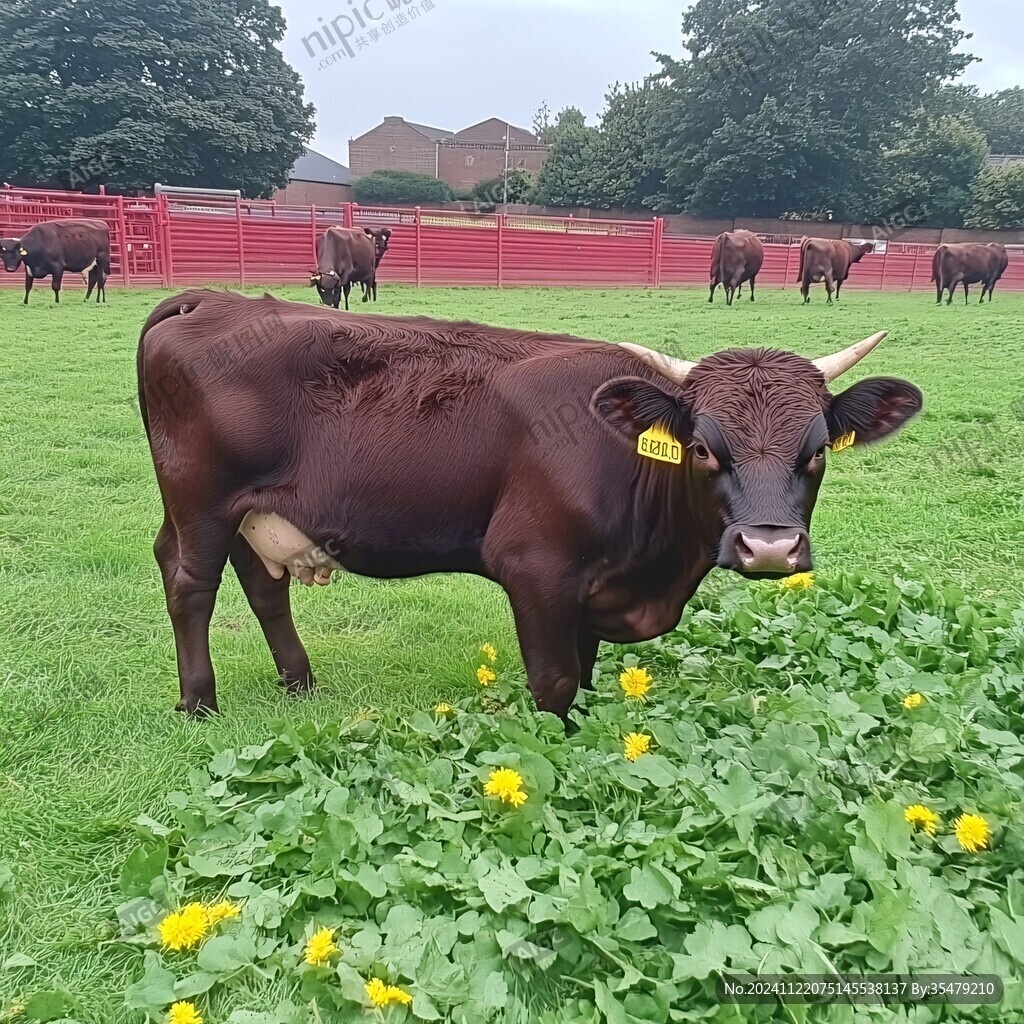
(314, 166)
(525, 133)
(1003, 159)
(434, 134)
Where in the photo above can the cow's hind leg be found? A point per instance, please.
(270, 601)
(711, 297)
(29, 279)
(752, 280)
(191, 562)
(55, 283)
(90, 279)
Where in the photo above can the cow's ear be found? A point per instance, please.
(386, 232)
(873, 409)
(631, 405)
(368, 231)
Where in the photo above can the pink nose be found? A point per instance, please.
(765, 551)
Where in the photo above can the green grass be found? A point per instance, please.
(88, 740)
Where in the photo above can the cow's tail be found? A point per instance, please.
(716, 259)
(803, 253)
(936, 262)
(174, 306)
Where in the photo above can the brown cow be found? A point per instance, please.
(968, 263)
(828, 260)
(395, 447)
(736, 257)
(50, 248)
(347, 256)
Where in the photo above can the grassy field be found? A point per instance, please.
(88, 740)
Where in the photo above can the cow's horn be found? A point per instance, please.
(668, 366)
(835, 365)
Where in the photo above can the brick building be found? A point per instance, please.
(463, 158)
(316, 180)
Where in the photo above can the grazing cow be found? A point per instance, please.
(736, 257)
(347, 256)
(597, 484)
(828, 260)
(81, 246)
(968, 263)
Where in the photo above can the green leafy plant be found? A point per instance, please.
(762, 827)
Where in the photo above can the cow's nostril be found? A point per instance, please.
(743, 550)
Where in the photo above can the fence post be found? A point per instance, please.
(501, 248)
(418, 272)
(348, 219)
(881, 286)
(122, 230)
(241, 242)
(789, 254)
(312, 233)
(164, 221)
(657, 237)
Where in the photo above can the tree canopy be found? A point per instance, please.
(187, 92)
(789, 103)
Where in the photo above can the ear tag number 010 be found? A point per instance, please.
(844, 441)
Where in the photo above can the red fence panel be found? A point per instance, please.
(179, 240)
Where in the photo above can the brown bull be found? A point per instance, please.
(597, 484)
(968, 263)
(828, 260)
(48, 249)
(348, 256)
(736, 257)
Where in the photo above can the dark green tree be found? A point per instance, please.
(491, 193)
(187, 92)
(998, 198)
(931, 169)
(802, 93)
(568, 177)
(627, 172)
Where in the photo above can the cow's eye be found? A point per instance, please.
(701, 452)
(819, 454)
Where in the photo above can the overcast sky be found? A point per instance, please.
(466, 60)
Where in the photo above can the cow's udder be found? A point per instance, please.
(283, 547)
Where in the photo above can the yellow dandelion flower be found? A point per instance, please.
(798, 581)
(184, 1013)
(320, 946)
(444, 709)
(920, 817)
(972, 832)
(635, 683)
(507, 786)
(635, 744)
(184, 928)
(913, 700)
(490, 651)
(485, 676)
(223, 911)
(382, 994)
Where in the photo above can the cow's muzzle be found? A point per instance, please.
(765, 551)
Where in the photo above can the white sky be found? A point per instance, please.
(467, 60)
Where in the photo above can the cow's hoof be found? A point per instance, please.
(298, 687)
(196, 707)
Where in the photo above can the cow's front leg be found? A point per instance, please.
(29, 280)
(548, 625)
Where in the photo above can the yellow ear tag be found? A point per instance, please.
(23, 252)
(657, 443)
(845, 441)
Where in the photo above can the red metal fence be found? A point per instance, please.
(178, 240)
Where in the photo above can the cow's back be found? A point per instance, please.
(427, 420)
